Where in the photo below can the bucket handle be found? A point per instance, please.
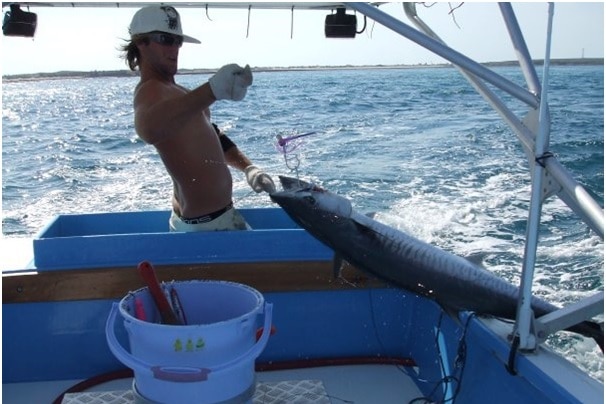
(181, 373)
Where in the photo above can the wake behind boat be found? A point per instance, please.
(354, 338)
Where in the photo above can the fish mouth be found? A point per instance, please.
(294, 184)
(297, 184)
(295, 189)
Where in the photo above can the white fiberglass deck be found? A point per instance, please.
(367, 384)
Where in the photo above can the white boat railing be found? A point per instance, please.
(549, 177)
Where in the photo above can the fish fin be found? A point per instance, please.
(597, 333)
(337, 265)
(477, 259)
(371, 234)
(600, 337)
(590, 329)
(337, 268)
(362, 228)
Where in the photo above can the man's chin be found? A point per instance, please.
(171, 69)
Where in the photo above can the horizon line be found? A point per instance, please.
(126, 72)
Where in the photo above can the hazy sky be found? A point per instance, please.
(87, 39)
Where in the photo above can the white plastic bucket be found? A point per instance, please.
(209, 360)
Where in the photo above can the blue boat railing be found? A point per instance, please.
(548, 176)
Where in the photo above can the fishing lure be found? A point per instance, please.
(283, 142)
(286, 145)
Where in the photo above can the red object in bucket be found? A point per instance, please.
(259, 332)
(140, 310)
(166, 312)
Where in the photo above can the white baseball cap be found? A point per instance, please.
(160, 19)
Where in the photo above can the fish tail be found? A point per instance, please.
(591, 329)
(599, 336)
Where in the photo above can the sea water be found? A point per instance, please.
(419, 147)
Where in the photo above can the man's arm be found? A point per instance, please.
(160, 108)
(233, 156)
(257, 179)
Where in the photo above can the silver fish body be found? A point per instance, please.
(405, 261)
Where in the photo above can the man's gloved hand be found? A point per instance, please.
(231, 82)
(259, 180)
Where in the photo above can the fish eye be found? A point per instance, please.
(310, 199)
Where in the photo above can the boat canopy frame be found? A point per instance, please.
(548, 176)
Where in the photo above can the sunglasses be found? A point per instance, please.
(166, 39)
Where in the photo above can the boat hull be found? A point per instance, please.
(54, 319)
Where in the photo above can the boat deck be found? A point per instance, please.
(359, 384)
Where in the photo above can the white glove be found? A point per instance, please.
(231, 82)
(259, 180)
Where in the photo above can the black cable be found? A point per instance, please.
(363, 28)
(461, 357)
(512, 356)
(541, 159)
(458, 366)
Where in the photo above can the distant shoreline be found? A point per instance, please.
(128, 73)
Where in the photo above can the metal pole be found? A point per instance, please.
(577, 197)
(519, 45)
(525, 315)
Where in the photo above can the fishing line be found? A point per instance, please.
(248, 21)
(450, 6)
(292, 20)
(235, 199)
(376, 330)
(458, 365)
(245, 196)
(207, 15)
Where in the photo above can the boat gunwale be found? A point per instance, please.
(115, 282)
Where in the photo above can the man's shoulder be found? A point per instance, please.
(157, 89)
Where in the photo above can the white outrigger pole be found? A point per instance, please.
(549, 177)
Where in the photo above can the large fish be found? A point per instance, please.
(404, 261)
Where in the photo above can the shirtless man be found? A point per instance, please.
(177, 122)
